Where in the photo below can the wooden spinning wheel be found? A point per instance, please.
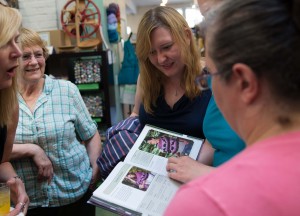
(81, 19)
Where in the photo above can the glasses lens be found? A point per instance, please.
(202, 81)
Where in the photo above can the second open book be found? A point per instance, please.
(140, 184)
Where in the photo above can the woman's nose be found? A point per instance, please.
(32, 60)
(161, 57)
(16, 52)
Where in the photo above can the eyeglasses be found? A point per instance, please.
(27, 57)
(4, 3)
(204, 79)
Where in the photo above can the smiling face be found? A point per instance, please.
(131, 175)
(9, 54)
(153, 141)
(32, 64)
(165, 54)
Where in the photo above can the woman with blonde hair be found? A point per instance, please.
(167, 95)
(10, 22)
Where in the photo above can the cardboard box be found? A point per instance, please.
(55, 38)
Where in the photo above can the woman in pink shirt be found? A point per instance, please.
(252, 54)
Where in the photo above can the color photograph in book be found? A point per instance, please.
(138, 178)
(166, 145)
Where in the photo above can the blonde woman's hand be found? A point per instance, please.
(18, 196)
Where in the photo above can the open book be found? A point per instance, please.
(140, 184)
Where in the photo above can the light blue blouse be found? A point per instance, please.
(59, 118)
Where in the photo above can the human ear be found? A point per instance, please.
(246, 82)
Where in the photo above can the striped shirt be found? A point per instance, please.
(119, 140)
(59, 121)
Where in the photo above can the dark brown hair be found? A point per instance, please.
(265, 35)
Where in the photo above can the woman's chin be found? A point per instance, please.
(6, 84)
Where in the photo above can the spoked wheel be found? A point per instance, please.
(81, 16)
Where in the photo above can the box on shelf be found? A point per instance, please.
(55, 38)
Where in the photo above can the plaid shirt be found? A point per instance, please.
(59, 118)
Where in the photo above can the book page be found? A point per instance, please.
(155, 145)
(133, 188)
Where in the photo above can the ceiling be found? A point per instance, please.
(132, 5)
(140, 3)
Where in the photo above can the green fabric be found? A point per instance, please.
(130, 68)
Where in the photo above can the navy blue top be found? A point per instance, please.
(186, 117)
(3, 134)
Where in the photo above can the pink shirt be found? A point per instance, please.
(263, 180)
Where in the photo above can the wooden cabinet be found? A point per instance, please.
(89, 71)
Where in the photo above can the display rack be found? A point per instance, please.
(89, 71)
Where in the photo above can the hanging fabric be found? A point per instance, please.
(130, 68)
